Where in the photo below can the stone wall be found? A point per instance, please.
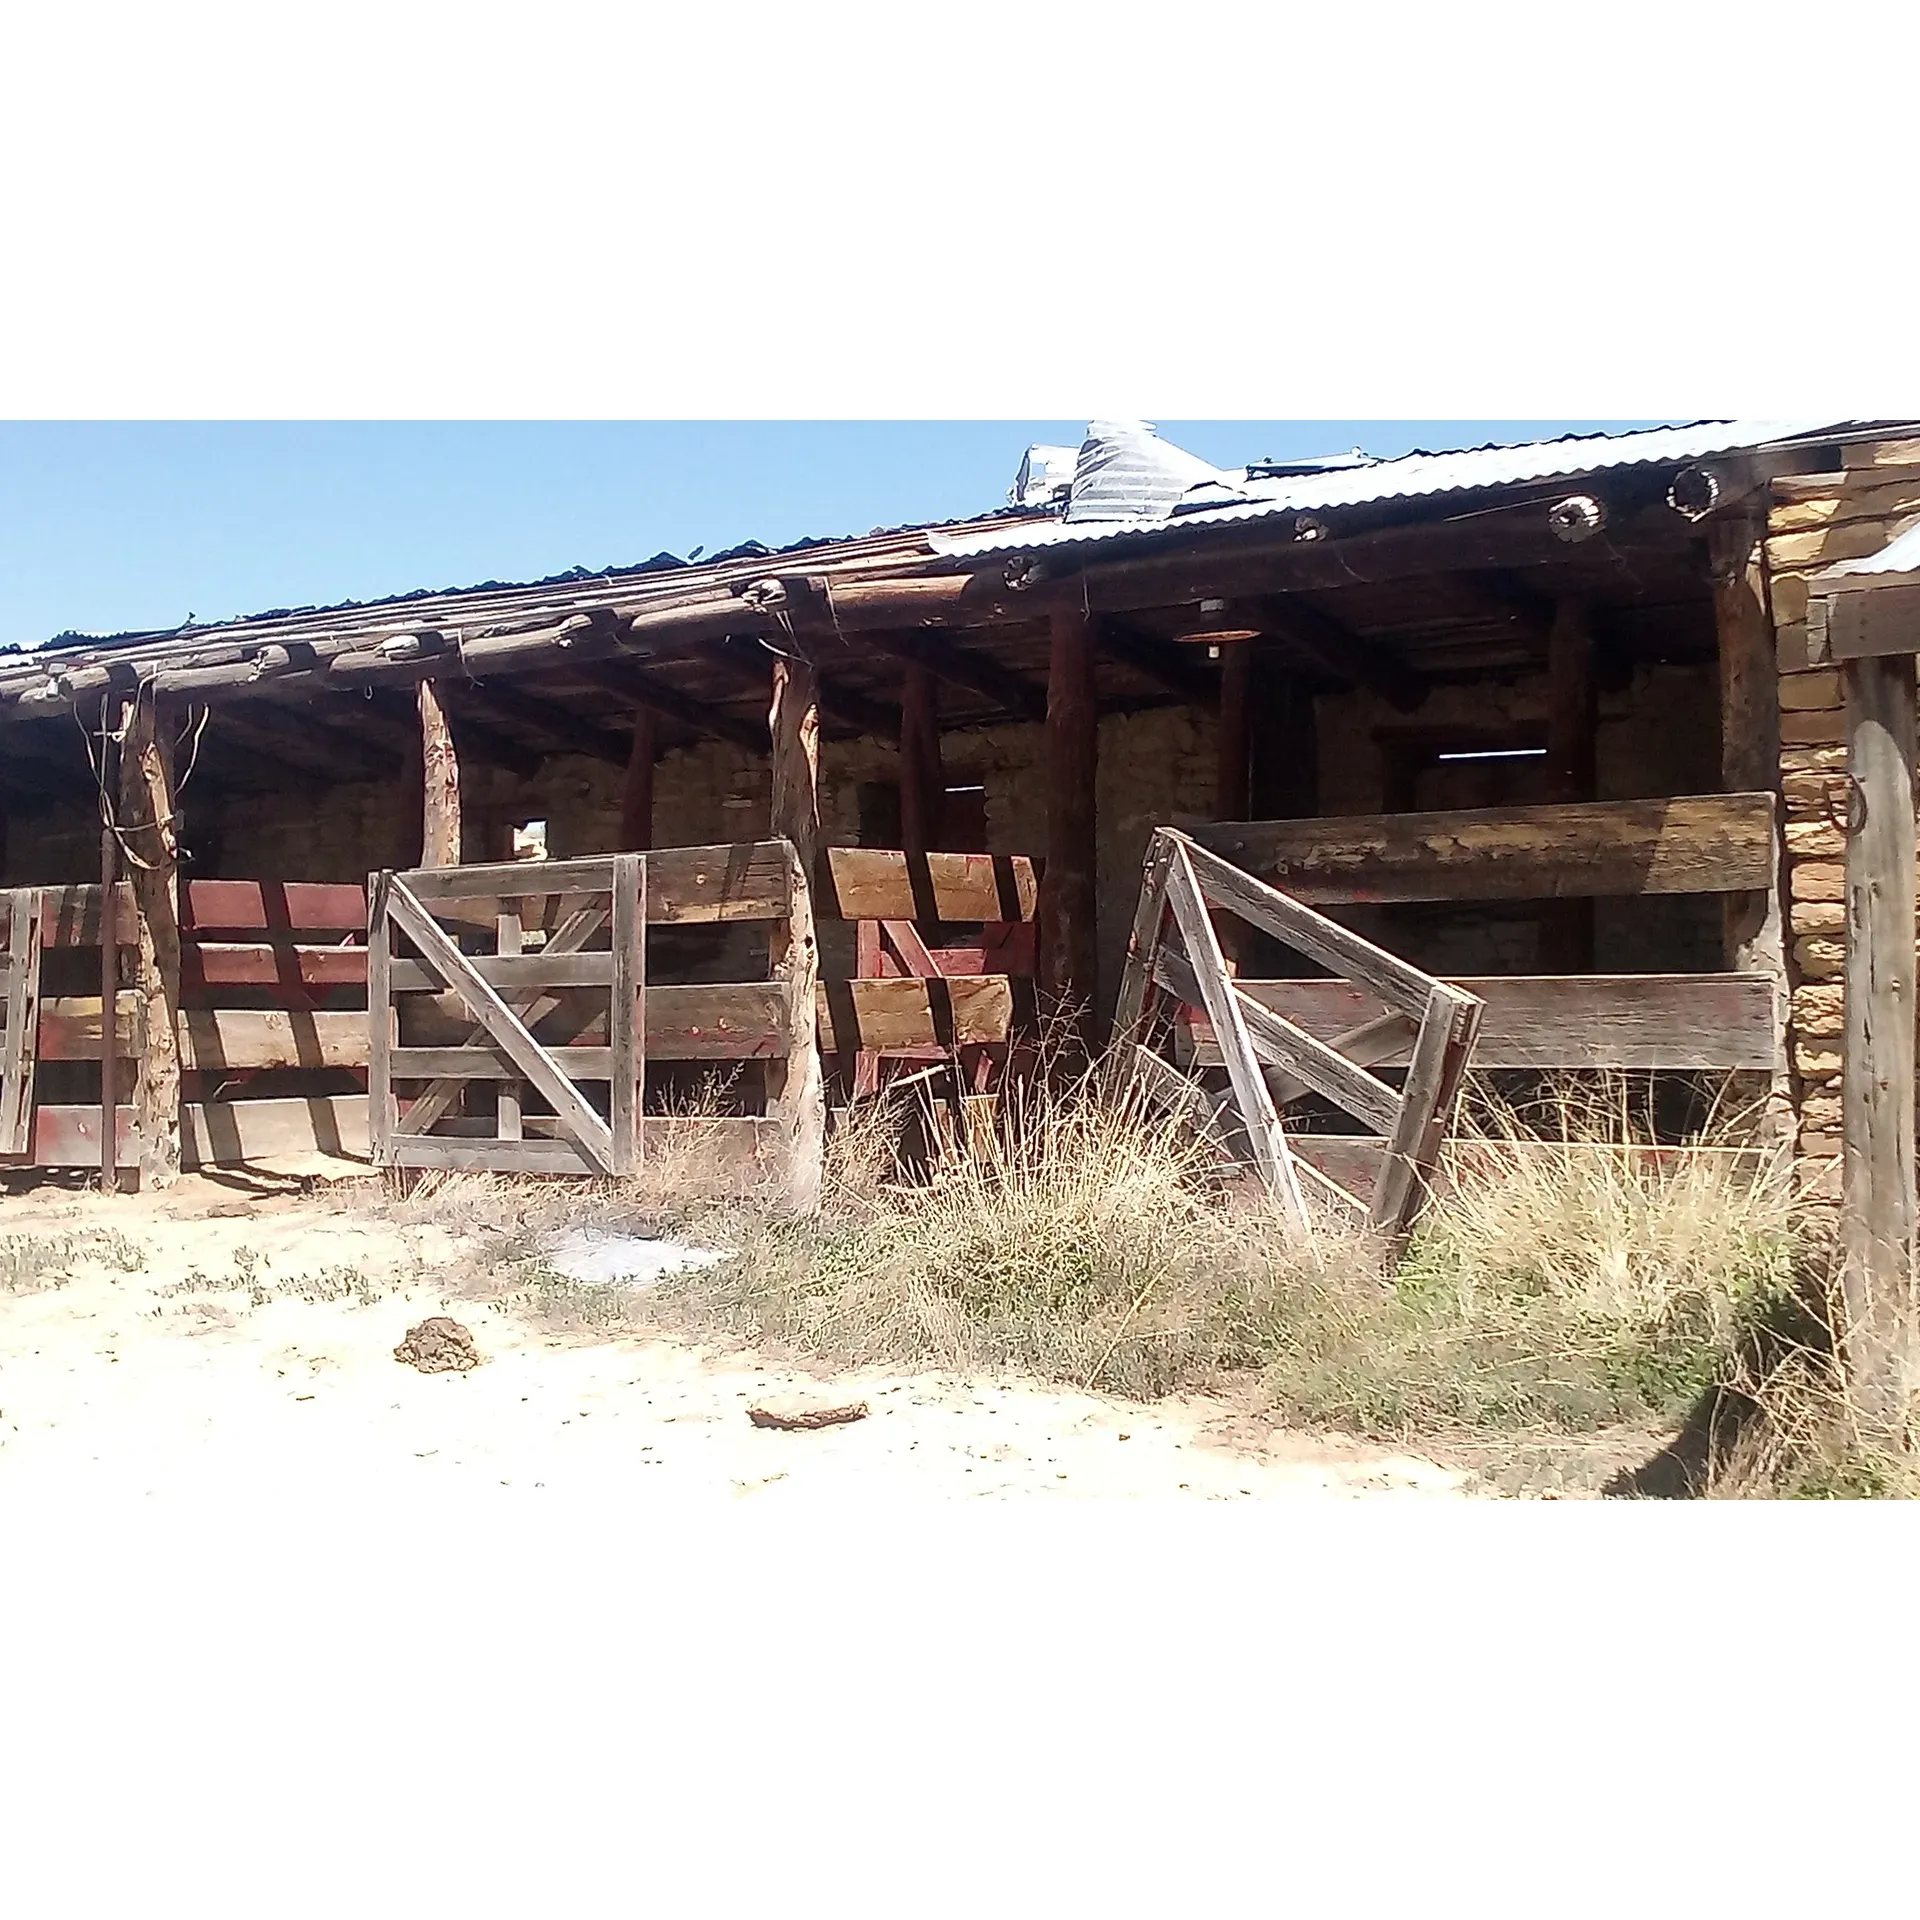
(1815, 521)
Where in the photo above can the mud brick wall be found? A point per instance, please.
(1814, 521)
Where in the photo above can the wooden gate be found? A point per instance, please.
(452, 1020)
(1270, 1060)
(20, 1015)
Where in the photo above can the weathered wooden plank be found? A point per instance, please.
(209, 963)
(513, 973)
(1703, 843)
(795, 1088)
(485, 1063)
(1877, 1198)
(487, 881)
(381, 1116)
(1172, 1089)
(214, 907)
(212, 1037)
(1866, 625)
(492, 1156)
(1714, 1022)
(885, 1016)
(1149, 918)
(877, 883)
(626, 1016)
(20, 991)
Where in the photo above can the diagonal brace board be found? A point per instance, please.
(1271, 1154)
(439, 953)
(569, 937)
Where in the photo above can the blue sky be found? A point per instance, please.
(106, 526)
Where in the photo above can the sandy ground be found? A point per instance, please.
(148, 1363)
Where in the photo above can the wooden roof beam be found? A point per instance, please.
(633, 687)
(1337, 651)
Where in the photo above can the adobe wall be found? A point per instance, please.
(1814, 521)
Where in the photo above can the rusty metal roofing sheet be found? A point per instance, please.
(1413, 476)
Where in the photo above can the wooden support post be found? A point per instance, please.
(110, 716)
(1573, 718)
(1877, 1205)
(636, 794)
(1283, 780)
(150, 847)
(796, 1096)
(1233, 739)
(922, 784)
(1068, 949)
(440, 777)
(1756, 940)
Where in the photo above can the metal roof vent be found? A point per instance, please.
(1125, 471)
(1045, 476)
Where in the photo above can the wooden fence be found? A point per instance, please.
(276, 1044)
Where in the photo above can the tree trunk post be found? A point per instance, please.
(151, 847)
(111, 712)
(1877, 1204)
(922, 783)
(440, 776)
(796, 1095)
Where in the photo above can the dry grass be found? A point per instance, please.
(1562, 1285)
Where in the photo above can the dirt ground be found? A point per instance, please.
(244, 1332)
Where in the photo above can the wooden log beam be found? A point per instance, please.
(962, 667)
(1701, 843)
(1573, 723)
(1881, 1342)
(1068, 953)
(1755, 921)
(633, 687)
(1333, 648)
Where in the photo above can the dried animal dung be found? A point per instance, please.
(438, 1345)
(801, 1416)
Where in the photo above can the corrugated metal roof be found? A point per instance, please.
(1413, 476)
(1898, 557)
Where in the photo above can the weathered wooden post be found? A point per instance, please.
(1756, 939)
(151, 844)
(796, 1096)
(922, 784)
(110, 717)
(1871, 617)
(440, 773)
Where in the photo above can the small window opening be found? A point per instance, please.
(528, 840)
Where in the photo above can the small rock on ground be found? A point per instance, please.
(438, 1345)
